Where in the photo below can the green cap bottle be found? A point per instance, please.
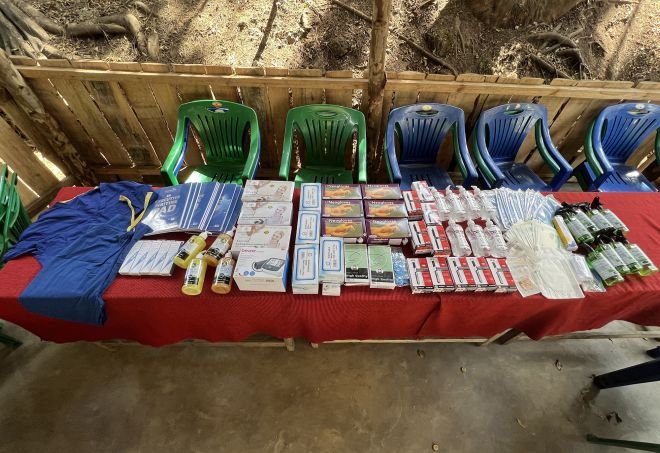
(601, 265)
(647, 265)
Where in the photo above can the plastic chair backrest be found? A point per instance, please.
(326, 131)
(621, 128)
(421, 129)
(506, 126)
(222, 126)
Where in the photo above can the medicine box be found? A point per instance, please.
(381, 268)
(261, 236)
(305, 276)
(331, 289)
(420, 276)
(150, 258)
(342, 208)
(439, 241)
(331, 260)
(266, 213)
(308, 229)
(262, 269)
(419, 236)
(440, 274)
(388, 231)
(413, 205)
(385, 208)
(352, 230)
(481, 273)
(258, 190)
(356, 264)
(502, 275)
(381, 191)
(423, 191)
(310, 196)
(460, 273)
(342, 192)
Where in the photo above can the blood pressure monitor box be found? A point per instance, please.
(262, 269)
(305, 277)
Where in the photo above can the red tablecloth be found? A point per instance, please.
(152, 310)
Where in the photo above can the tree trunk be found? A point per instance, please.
(379, 31)
(509, 13)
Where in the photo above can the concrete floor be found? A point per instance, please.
(340, 398)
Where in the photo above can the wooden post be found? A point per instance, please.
(27, 100)
(379, 31)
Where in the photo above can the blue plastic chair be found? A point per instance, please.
(420, 130)
(613, 137)
(497, 137)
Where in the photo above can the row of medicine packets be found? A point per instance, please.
(305, 275)
(318, 264)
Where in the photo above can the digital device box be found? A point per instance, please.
(261, 236)
(262, 269)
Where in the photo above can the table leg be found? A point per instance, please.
(314, 345)
(494, 338)
(636, 374)
(631, 444)
(290, 344)
(502, 337)
(654, 353)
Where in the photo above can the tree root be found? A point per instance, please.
(132, 24)
(553, 36)
(90, 30)
(39, 17)
(545, 64)
(153, 47)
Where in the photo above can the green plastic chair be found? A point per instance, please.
(223, 127)
(14, 218)
(326, 131)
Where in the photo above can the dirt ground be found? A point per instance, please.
(618, 39)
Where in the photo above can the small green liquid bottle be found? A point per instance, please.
(625, 255)
(580, 233)
(584, 218)
(602, 266)
(599, 219)
(647, 266)
(609, 215)
(608, 251)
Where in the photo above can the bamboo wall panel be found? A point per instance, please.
(339, 97)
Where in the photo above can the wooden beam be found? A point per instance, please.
(340, 83)
(376, 90)
(126, 170)
(27, 100)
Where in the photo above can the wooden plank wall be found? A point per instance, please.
(122, 117)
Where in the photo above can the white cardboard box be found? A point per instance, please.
(310, 196)
(305, 277)
(262, 269)
(257, 190)
(261, 236)
(331, 260)
(308, 228)
(266, 213)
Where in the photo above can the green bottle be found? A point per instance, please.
(597, 217)
(577, 229)
(601, 265)
(647, 265)
(607, 249)
(609, 215)
(580, 212)
(623, 252)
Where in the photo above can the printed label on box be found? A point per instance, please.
(261, 236)
(350, 229)
(385, 208)
(387, 231)
(342, 191)
(342, 208)
(356, 263)
(413, 205)
(381, 191)
(308, 227)
(305, 279)
(381, 268)
(332, 260)
(310, 196)
(423, 191)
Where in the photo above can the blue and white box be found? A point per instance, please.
(310, 196)
(309, 227)
(305, 278)
(331, 260)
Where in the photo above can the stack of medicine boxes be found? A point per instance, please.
(263, 233)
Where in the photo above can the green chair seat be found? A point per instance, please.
(325, 175)
(224, 173)
(326, 133)
(223, 128)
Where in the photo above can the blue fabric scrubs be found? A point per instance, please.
(81, 245)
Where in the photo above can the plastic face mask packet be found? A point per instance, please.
(523, 274)
(555, 277)
(589, 282)
(533, 235)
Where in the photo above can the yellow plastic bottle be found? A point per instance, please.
(193, 282)
(219, 248)
(222, 278)
(190, 249)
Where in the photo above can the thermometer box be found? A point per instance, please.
(481, 273)
(440, 274)
(308, 229)
(305, 277)
(420, 276)
(331, 260)
(262, 269)
(423, 191)
(421, 241)
(461, 274)
(502, 275)
(413, 204)
(310, 197)
(257, 190)
(439, 241)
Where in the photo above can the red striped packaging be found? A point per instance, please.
(420, 276)
(502, 275)
(460, 273)
(421, 241)
(440, 274)
(439, 241)
(481, 273)
(413, 204)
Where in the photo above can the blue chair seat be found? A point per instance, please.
(435, 176)
(624, 179)
(519, 176)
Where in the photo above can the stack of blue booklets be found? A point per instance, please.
(195, 207)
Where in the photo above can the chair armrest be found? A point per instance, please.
(490, 170)
(285, 160)
(390, 156)
(559, 166)
(177, 154)
(593, 149)
(252, 162)
(462, 154)
(362, 155)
